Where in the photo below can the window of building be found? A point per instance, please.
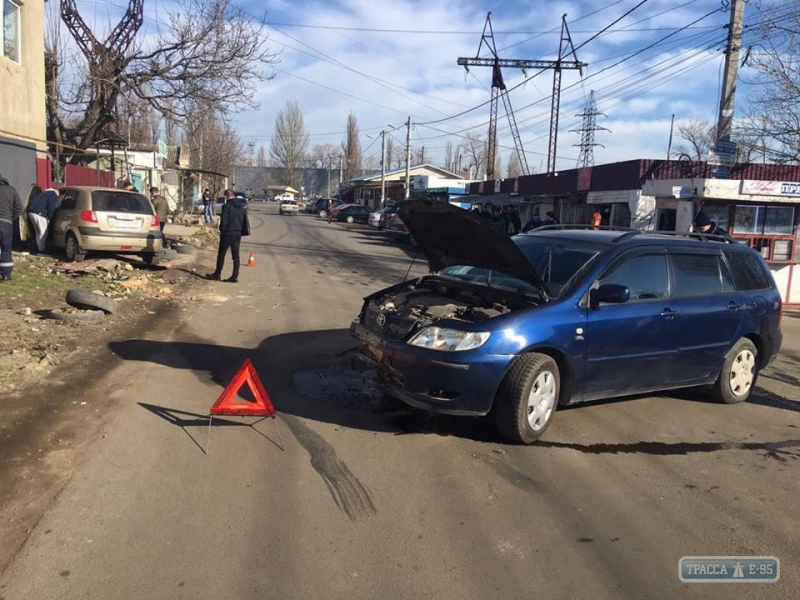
(721, 215)
(763, 220)
(10, 30)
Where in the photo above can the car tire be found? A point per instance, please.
(323, 214)
(72, 249)
(527, 398)
(351, 220)
(84, 315)
(738, 375)
(86, 300)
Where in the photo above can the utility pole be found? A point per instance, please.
(671, 127)
(341, 174)
(330, 162)
(408, 159)
(499, 91)
(727, 100)
(383, 167)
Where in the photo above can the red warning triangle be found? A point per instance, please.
(227, 404)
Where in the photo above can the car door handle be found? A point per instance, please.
(732, 306)
(669, 313)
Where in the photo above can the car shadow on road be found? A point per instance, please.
(307, 374)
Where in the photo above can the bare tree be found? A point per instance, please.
(420, 160)
(261, 157)
(321, 155)
(389, 151)
(214, 145)
(210, 53)
(514, 168)
(774, 111)
(352, 149)
(450, 157)
(290, 141)
(473, 147)
(698, 137)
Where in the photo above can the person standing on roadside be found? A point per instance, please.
(231, 225)
(40, 212)
(208, 207)
(10, 209)
(161, 207)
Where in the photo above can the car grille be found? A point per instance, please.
(394, 328)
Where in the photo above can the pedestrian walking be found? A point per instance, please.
(551, 219)
(330, 210)
(10, 210)
(40, 212)
(534, 223)
(208, 207)
(161, 207)
(232, 225)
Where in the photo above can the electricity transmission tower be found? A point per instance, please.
(499, 91)
(587, 130)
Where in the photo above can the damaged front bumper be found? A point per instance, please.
(457, 383)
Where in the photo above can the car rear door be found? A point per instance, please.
(629, 346)
(710, 312)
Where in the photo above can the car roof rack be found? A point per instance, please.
(703, 237)
(583, 226)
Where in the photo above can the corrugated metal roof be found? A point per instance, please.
(632, 174)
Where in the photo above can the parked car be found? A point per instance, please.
(381, 217)
(288, 207)
(94, 219)
(398, 230)
(517, 327)
(353, 213)
(320, 207)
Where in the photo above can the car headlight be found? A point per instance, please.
(449, 340)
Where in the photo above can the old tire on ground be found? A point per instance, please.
(351, 219)
(738, 375)
(73, 249)
(84, 315)
(527, 398)
(88, 300)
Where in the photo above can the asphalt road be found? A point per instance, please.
(370, 502)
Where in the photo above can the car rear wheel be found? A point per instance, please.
(527, 398)
(738, 375)
(350, 219)
(73, 249)
(323, 214)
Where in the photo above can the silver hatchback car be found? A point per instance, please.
(94, 219)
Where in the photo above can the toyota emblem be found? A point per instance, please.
(381, 320)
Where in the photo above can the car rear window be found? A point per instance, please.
(696, 275)
(106, 201)
(748, 271)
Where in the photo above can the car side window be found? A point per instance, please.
(645, 275)
(747, 271)
(695, 275)
(69, 201)
(728, 283)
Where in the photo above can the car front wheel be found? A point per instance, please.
(323, 214)
(351, 220)
(527, 398)
(738, 375)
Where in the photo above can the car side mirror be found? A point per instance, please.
(609, 293)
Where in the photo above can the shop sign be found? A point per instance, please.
(682, 193)
(771, 188)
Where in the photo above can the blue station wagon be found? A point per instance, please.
(515, 327)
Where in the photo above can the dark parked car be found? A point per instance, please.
(519, 326)
(389, 211)
(320, 206)
(353, 213)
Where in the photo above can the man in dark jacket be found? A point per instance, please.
(704, 224)
(161, 206)
(534, 223)
(231, 224)
(10, 209)
(551, 219)
(40, 212)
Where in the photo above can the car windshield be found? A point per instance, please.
(107, 201)
(557, 261)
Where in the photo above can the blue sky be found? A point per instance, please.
(387, 60)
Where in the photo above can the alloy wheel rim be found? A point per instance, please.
(541, 400)
(743, 372)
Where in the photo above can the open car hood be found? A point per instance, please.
(450, 236)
